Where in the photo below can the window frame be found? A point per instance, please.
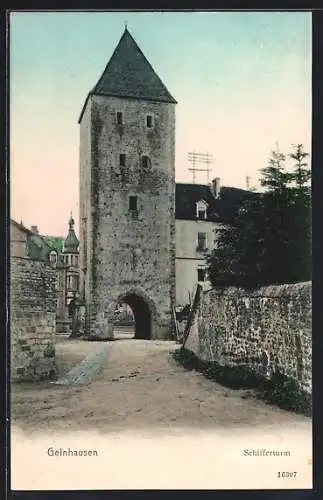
(132, 197)
(122, 156)
(53, 257)
(199, 239)
(201, 206)
(202, 270)
(118, 114)
(149, 116)
(148, 162)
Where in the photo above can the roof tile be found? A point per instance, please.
(129, 74)
(222, 210)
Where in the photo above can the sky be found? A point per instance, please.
(242, 81)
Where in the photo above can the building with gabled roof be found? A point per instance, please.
(28, 243)
(221, 207)
(201, 212)
(60, 253)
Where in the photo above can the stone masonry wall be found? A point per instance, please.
(125, 252)
(268, 329)
(33, 319)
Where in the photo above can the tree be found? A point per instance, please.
(300, 215)
(269, 239)
(301, 174)
(275, 229)
(274, 176)
(235, 260)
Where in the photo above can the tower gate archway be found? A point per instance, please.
(144, 313)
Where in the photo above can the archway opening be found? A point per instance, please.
(138, 317)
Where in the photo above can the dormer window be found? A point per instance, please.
(53, 257)
(201, 210)
(149, 121)
(119, 118)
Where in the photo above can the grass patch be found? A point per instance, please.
(279, 390)
(285, 393)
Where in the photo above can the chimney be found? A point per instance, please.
(216, 188)
(34, 229)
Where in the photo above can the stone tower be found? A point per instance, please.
(127, 196)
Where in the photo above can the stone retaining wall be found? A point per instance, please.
(33, 319)
(268, 329)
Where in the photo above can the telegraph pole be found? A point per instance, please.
(195, 158)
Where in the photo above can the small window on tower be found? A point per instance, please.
(149, 121)
(133, 203)
(119, 118)
(122, 160)
(146, 162)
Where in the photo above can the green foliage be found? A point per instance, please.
(270, 239)
(237, 377)
(301, 175)
(123, 318)
(279, 390)
(274, 177)
(55, 242)
(285, 393)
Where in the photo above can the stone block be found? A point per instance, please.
(274, 322)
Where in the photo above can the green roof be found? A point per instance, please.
(55, 242)
(71, 242)
(37, 248)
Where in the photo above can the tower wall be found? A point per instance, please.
(122, 251)
(85, 221)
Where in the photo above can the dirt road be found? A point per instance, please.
(137, 384)
(152, 425)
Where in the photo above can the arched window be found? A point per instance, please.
(146, 162)
(53, 257)
(201, 209)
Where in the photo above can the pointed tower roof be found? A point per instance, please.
(71, 242)
(129, 74)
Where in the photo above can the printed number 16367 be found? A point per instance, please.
(286, 474)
